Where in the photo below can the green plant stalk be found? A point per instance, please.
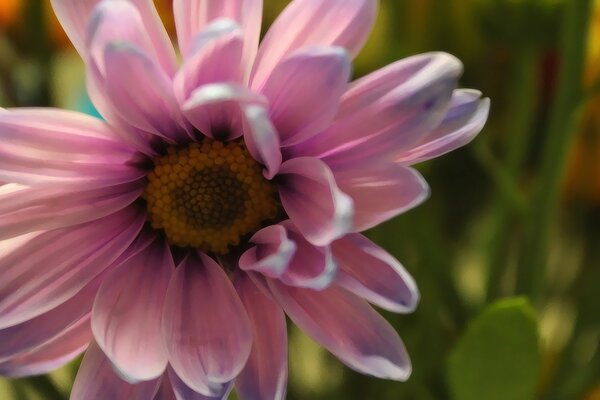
(532, 266)
(525, 100)
(45, 387)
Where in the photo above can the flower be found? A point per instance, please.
(216, 196)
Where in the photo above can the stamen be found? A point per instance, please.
(209, 195)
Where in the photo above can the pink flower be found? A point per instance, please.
(219, 194)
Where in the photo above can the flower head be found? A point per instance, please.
(217, 195)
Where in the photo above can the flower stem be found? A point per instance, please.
(532, 268)
(524, 90)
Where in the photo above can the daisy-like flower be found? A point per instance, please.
(219, 194)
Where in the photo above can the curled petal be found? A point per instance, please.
(262, 139)
(75, 15)
(271, 254)
(348, 327)
(96, 379)
(51, 355)
(181, 391)
(343, 23)
(218, 110)
(370, 272)
(265, 374)
(127, 322)
(206, 330)
(311, 266)
(192, 17)
(217, 58)
(465, 119)
(304, 91)
(381, 191)
(313, 201)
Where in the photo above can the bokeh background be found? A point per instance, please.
(507, 250)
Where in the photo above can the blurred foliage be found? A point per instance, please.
(516, 213)
(498, 357)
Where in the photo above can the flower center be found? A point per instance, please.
(209, 195)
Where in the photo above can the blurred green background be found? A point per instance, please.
(507, 250)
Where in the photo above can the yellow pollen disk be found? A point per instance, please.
(209, 195)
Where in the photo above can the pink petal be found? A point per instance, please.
(271, 254)
(97, 380)
(183, 392)
(205, 327)
(381, 191)
(142, 93)
(53, 129)
(115, 22)
(27, 209)
(128, 310)
(265, 374)
(304, 91)
(75, 15)
(192, 17)
(370, 272)
(344, 23)
(313, 201)
(33, 333)
(262, 139)
(311, 266)
(388, 111)
(51, 355)
(348, 327)
(218, 110)
(50, 268)
(217, 58)
(465, 119)
(43, 145)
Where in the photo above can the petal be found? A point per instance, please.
(311, 266)
(465, 119)
(26, 209)
(262, 139)
(97, 380)
(141, 92)
(192, 17)
(314, 203)
(115, 21)
(388, 111)
(218, 110)
(217, 58)
(344, 23)
(51, 355)
(53, 129)
(271, 254)
(205, 326)
(349, 328)
(128, 310)
(75, 15)
(50, 268)
(183, 392)
(370, 272)
(33, 333)
(381, 191)
(304, 91)
(43, 145)
(265, 374)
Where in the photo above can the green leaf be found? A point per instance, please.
(498, 358)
